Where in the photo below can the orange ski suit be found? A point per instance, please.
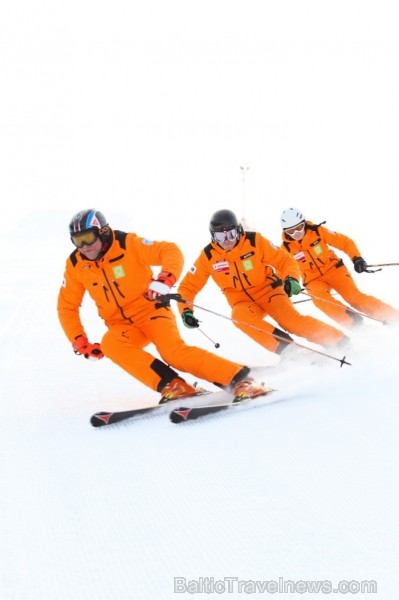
(251, 277)
(322, 271)
(117, 283)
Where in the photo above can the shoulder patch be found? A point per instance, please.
(147, 242)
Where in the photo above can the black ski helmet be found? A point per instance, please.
(224, 220)
(86, 220)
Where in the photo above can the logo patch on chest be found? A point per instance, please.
(221, 266)
(247, 264)
(118, 271)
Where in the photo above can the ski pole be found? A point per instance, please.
(385, 265)
(178, 298)
(344, 306)
(300, 301)
(216, 344)
(306, 300)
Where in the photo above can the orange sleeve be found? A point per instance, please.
(166, 255)
(340, 241)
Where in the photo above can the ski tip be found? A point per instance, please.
(179, 414)
(100, 419)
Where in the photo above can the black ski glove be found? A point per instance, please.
(189, 320)
(359, 264)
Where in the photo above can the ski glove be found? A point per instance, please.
(359, 264)
(81, 345)
(189, 320)
(160, 286)
(292, 286)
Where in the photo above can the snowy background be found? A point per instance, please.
(159, 114)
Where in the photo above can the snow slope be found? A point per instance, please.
(305, 489)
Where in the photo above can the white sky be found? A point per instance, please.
(150, 109)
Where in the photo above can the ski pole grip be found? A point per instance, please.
(176, 297)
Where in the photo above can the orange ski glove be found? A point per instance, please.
(82, 346)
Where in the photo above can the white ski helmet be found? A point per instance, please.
(291, 217)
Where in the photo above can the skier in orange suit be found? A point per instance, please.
(322, 271)
(257, 279)
(114, 267)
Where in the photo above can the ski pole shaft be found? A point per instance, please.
(216, 344)
(300, 301)
(178, 298)
(305, 300)
(385, 265)
(343, 306)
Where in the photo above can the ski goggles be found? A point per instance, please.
(291, 230)
(222, 236)
(86, 238)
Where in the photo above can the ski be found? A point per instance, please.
(103, 418)
(183, 414)
(100, 419)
